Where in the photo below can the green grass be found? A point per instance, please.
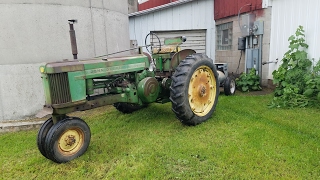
(243, 140)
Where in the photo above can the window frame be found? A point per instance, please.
(221, 39)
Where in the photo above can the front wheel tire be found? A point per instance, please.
(42, 134)
(67, 140)
(229, 86)
(194, 90)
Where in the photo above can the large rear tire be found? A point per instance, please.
(194, 89)
(67, 140)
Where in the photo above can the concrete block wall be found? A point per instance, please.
(232, 56)
(34, 32)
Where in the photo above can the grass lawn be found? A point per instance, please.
(243, 140)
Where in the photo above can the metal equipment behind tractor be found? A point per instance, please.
(186, 79)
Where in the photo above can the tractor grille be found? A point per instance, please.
(59, 88)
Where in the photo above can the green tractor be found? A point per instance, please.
(186, 79)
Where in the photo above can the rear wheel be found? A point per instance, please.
(229, 86)
(194, 90)
(128, 107)
(67, 140)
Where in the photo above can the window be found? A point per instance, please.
(224, 36)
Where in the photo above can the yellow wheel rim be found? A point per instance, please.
(202, 90)
(71, 141)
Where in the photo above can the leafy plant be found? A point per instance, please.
(296, 82)
(247, 82)
(313, 84)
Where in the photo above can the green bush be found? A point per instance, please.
(298, 82)
(248, 82)
(313, 84)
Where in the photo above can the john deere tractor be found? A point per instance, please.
(186, 79)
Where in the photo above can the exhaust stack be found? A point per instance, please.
(73, 38)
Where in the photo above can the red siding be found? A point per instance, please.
(226, 8)
(153, 3)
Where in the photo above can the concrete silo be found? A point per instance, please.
(34, 32)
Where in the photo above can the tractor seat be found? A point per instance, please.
(171, 45)
(167, 49)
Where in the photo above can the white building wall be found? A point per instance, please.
(287, 15)
(196, 14)
(34, 32)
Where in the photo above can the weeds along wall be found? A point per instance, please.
(36, 32)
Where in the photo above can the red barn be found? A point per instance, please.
(153, 3)
(228, 8)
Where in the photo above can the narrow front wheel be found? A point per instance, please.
(42, 134)
(67, 140)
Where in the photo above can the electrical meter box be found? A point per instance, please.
(241, 43)
(246, 24)
(258, 27)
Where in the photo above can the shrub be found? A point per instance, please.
(248, 82)
(297, 82)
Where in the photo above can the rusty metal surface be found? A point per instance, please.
(79, 65)
(85, 61)
(148, 89)
(166, 49)
(148, 55)
(150, 86)
(163, 74)
(73, 39)
(201, 91)
(98, 102)
(179, 56)
(65, 66)
(69, 104)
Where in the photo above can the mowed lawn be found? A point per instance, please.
(244, 139)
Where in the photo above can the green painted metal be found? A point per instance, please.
(141, 76)
(77, 85)
(148, 89)
(173, 41)
(159, 63)
(132, 94)
(98, 82)
(89, 83)
(166, 64)
(115, 66)
(179, 56)
(46, 86)
(163, 61)
(97, 68)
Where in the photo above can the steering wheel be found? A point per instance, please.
(150, 47)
